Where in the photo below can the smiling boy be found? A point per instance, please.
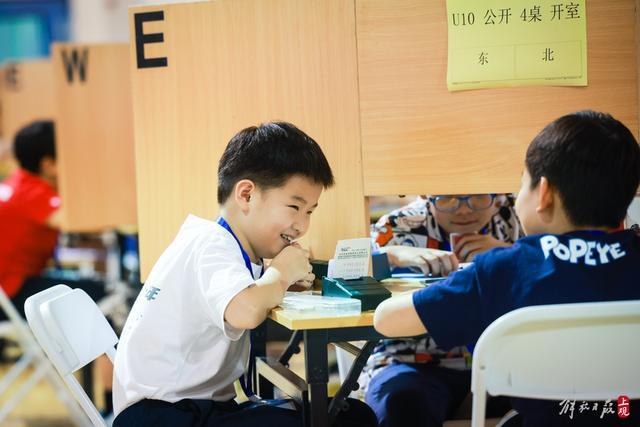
(186, 341)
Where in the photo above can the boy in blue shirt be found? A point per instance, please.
(186, 340)
(582, 172)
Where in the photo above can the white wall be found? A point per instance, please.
(633, 215)
(104, 21)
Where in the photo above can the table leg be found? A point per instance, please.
(293, 347)
(351, 381)
(316, 367)
(259, 349)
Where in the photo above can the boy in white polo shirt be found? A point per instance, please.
(186, 340)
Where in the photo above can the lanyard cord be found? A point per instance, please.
(245, 380)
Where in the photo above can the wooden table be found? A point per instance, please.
(317, 332)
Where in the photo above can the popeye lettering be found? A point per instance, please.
(581, 251)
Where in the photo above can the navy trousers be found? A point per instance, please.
(205, 413)
(416, 395)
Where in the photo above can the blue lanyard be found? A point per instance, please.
(246, 385)
(247, 262)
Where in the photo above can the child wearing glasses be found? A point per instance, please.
(418, 235)
(405, 372)
(581, 173)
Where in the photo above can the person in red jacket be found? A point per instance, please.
(29, 210)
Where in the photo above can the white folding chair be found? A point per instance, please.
(32, 356)
(510, 356)
(73, 332)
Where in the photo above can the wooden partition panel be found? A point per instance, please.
(94, 135)
(214, 68)
(419, 138)
(27, 95)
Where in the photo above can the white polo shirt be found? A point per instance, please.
(175, 343)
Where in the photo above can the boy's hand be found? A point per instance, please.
(303, 284)
(470, 245)
(293, 264)
(250, 307)
(432, 261)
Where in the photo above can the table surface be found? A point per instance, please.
(296, 320)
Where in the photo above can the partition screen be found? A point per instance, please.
(417, 137)
(94, 134)
(203, 71)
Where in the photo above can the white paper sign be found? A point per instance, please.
(351, 260)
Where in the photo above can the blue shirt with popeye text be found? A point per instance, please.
(579, 266)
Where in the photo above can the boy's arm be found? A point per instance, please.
(397, 317)
(435, 261)
(55, 219)
(449, 310)
(250, 307)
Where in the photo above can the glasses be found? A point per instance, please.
(449, 204)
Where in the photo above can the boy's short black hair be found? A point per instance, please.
(593, 161)
(270, 154)
(33, 143)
